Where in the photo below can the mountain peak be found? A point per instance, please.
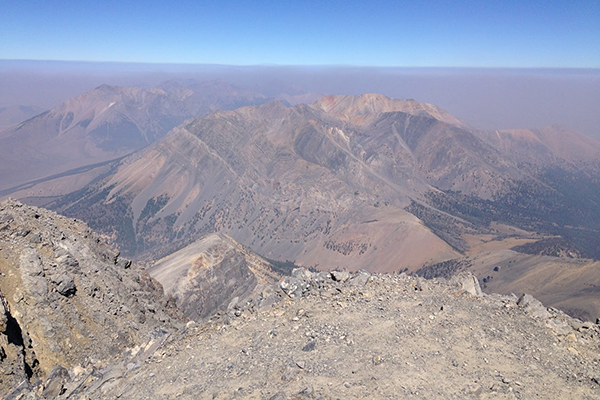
(372, 103)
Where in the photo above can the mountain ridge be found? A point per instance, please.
(106, 123)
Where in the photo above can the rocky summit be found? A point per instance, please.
(77, 321)
(341, 335)
(68, 302)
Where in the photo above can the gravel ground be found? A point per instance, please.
(368, 337)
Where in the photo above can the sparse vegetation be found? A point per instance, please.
(445, 269)
(283, 267)
(562, 203)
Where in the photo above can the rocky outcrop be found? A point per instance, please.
(209, 274)
(68, 299)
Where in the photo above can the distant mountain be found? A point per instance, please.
(546, 146)
(323, 184)
(13, 115)
(106, 123)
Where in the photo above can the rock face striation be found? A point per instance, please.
(68, 302)
(332, 335)
(211, 274)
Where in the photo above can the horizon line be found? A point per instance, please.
(272, 65)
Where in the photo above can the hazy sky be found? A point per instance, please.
(469, 33)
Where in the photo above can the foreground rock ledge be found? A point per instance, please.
(68, 303)
(361, 336)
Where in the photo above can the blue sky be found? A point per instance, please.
(363, 33)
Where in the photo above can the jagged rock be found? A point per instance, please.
(3, 314)
(54, 385)
(561, 328)
(467, 282)
(293, 287)
(110, 309)
(340, 276)
(360, 278)
(122, 262)
(533, 306)
(65, 285)
(65, 259)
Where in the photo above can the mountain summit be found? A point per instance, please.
(369, 104)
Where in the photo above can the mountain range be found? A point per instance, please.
(258, 235)
(355, 182)
(107, 123)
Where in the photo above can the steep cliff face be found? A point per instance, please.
(67, 298)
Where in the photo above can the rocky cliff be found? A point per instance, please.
(67, 300)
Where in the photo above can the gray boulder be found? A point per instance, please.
(533, 306)
(468, 282)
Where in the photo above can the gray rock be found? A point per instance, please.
(306, 393)
(66, 260)
(468, 282)
(3, 314)
(54, 385)
(5, 220)
(293, 287)
(310, 346)
(340, 276)
(278, 396)
(559, 327)
(34, 281)
(360, 279)
(35, 238)
(65, 285)
(122, 262)
(533, 306)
